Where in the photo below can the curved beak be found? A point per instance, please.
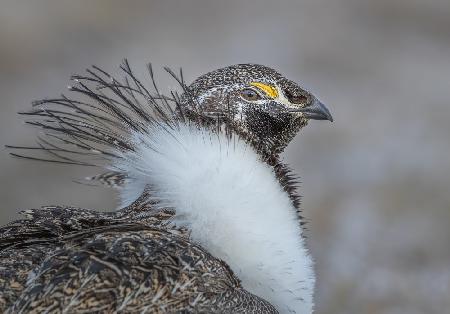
(315, 111)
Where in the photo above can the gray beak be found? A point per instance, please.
(315, 111)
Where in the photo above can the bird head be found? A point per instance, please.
(257, 102)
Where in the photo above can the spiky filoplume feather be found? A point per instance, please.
(100, 124)
(154, 254)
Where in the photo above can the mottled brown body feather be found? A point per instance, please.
(85, 261)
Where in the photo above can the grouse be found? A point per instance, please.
(209, 220)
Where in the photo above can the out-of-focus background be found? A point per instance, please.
(376, 182)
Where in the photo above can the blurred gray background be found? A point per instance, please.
(375, 182)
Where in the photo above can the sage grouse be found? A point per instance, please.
(209, 220)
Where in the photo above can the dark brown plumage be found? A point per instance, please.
(85, 261)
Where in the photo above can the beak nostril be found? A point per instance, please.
(316, 111)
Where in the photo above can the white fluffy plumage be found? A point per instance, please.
(232, 203)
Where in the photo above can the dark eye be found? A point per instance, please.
(250, 95)
(296, 99)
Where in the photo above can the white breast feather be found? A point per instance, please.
(234, 206)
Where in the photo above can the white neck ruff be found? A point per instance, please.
(232, 203)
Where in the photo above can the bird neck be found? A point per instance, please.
(233, 205)
(269, 134)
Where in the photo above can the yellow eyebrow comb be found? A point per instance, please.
(269, 90)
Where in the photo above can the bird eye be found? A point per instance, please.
(296, 99)
(250, 95)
